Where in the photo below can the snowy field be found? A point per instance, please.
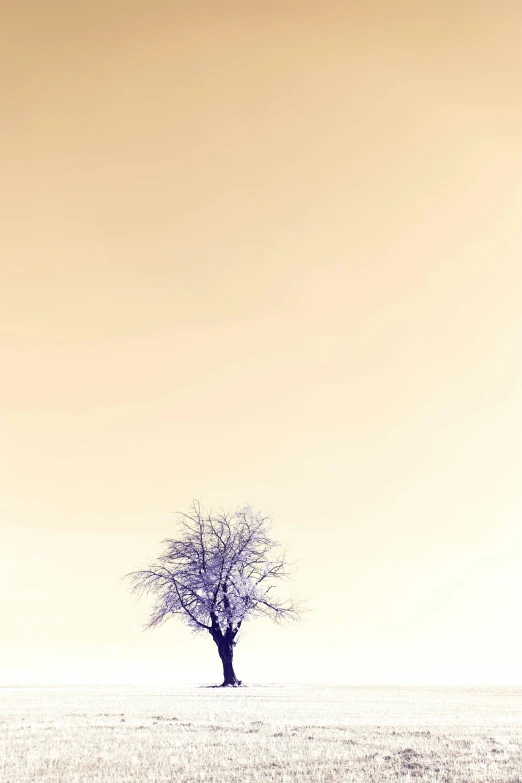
(259, 733)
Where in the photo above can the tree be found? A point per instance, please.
(217, 574)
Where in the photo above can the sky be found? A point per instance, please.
(263, 252)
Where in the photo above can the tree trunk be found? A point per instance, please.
(226, 653)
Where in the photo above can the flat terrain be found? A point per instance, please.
(259, 733)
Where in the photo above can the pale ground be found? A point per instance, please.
(259, 733)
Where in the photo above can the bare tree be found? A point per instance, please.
(219, 573)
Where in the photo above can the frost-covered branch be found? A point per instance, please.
(218, 573)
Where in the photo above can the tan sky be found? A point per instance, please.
(264, 252)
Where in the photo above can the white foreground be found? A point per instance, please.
(259, 733)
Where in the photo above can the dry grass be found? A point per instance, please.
(260, 733)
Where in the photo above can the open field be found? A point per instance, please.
(259, 733)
